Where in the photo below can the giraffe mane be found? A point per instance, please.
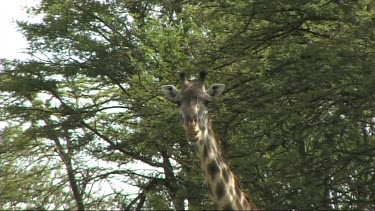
(247, 197)
(223, 157)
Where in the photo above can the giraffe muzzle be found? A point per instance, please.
(192, 131)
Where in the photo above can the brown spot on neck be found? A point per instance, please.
(213, 169)
(220, 190)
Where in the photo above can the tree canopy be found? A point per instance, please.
(86, 125)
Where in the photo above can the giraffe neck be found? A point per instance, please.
(222, 183)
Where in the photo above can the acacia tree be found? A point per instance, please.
(85, 117)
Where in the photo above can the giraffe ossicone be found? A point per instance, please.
(192, 100)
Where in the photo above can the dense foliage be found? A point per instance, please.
(86, 126)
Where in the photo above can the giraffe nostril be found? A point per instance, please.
(191, 122)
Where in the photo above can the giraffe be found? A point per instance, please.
(222, 184)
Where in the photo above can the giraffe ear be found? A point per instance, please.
(215, 90)
(170, 92)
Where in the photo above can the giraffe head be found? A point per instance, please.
(192, 101)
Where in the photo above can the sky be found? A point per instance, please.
(13, 45)
(12, 42)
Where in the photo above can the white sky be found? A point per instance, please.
(13, 45)
(12, 42)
